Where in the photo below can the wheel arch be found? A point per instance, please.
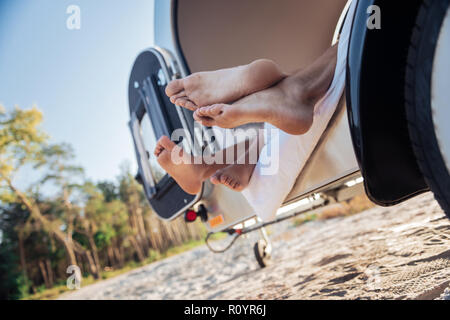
(376, 102)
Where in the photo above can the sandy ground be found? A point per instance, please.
(401, 252)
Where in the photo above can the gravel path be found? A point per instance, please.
(401, 252)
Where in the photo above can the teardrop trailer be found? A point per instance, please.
(391, 162)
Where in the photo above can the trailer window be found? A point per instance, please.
(149, 139)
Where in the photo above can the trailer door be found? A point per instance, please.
(152, 116)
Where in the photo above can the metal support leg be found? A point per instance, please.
(263, 233)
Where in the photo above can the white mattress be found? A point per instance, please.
(284, 156)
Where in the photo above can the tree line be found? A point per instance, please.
(59, 218)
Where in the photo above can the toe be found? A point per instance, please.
(174, 87)
(190, 105)
(209, 112)
(158, 150)
(200, 112)
(223, 179)
(197, 116)
(215, 178)
(228, 182)
(181, 101)
(206, 121)
(163, 158)
(214, 110)
(181, 94)
(165, 143)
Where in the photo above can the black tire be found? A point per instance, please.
(418, 99)
(261, 256)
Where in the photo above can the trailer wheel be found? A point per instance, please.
(428, 96)
(262, 256)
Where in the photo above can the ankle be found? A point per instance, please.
(320, 84)
(310, 90)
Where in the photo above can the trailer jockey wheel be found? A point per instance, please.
(262, 253)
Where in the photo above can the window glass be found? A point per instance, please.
(149, 140)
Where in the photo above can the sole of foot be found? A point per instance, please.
(182, 170)
(236, 177)
(224, 86)
(283, 105)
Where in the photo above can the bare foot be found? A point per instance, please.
(282, 106)
(224, 86)
(188, 172)
(186, 175)
(289, 105)
(236, 176)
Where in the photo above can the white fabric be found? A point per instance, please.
(266, 192)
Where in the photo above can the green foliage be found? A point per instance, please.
(20, 138)
(21, 141)
(13, 283)
(305, 219)
(59, 169)
(103, 239)
(9, 273)
(109, 190)
(23, 286)
(154, 255)
(106, 228)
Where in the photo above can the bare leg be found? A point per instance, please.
(289, 105)
(225, 85)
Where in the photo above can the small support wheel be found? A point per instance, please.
(262, 253)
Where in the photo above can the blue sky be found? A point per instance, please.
(78, 78)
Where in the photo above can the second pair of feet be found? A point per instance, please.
(190, 174)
